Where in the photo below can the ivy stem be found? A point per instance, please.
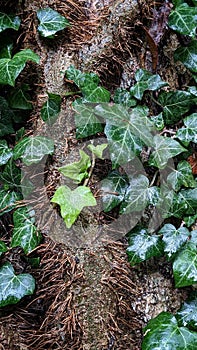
(71, 93)
(91, 170)
(154, 177)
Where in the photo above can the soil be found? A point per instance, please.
(87, 295)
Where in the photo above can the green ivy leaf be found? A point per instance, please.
(136, 197)
(98, 150)
(11, 176)
(113, 189)
(146, 81)
(185, 203)
(81, 79)
(14, 287)
(19, 98)
(181, 177)
(86, 122)
(25, 233)
(173, 238)
(175, 105)
(3, 247)
(93, 93)
(163, 332)
(183, 19)
(51, 22)
(8, 201)
(189, 220)
(158, 121)
(143, 246)
(5, 152)
(187, 315)
(124, 97)
(72, 202)
(32, 149)
(10, 68)
(9, 22)
(185, 266)
(165, 149)
(77, 171)
(6, 116)
(51, 108)
(126, 131)
(187, 55)
(189, 133)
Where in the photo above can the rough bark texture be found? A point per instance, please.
(89, 298)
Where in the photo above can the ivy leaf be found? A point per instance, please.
(173, 238)
(175, 105)
(9, 22)
(187, 315)
(181, 177)
(6, 116)
(93, 93)
(72, 202)
(185, 203)
(123, 144)
(153, 195)
(5, 152)
(136, 196)
(86, 122)
(158, 121)
(187, 55)
(98, 150)
(77, 171)
(163, 332)
(183, 19)
(124, 97)
(189, 220)
(143, 246)
(3, 247)
(11, 176)
(19, 98)
(50, 22)
(146, 81)
(51, 109)
(165, 149)
(14, 287)
(189, 133)
(10, 68)
(32, 149)
(113, 189)
(25, 233)
(81, 79)
(185, 266)
(8, 201)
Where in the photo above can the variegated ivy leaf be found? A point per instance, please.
(11, 176)
(146, 81)
(165, 149)
(5, 152)
(10, 68)
(163, 332)
(51, 108)
(143, 246)
(51, 22)
(8, 201)
(187, 55)
(187, 315)
(9, 22)
(183, 19)
(14, 287)
(25, 233)
(86, 122)
(185, 266)
(173, 238)
(189, 132)
(113, 189)
(32, 149)
(182, 176)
